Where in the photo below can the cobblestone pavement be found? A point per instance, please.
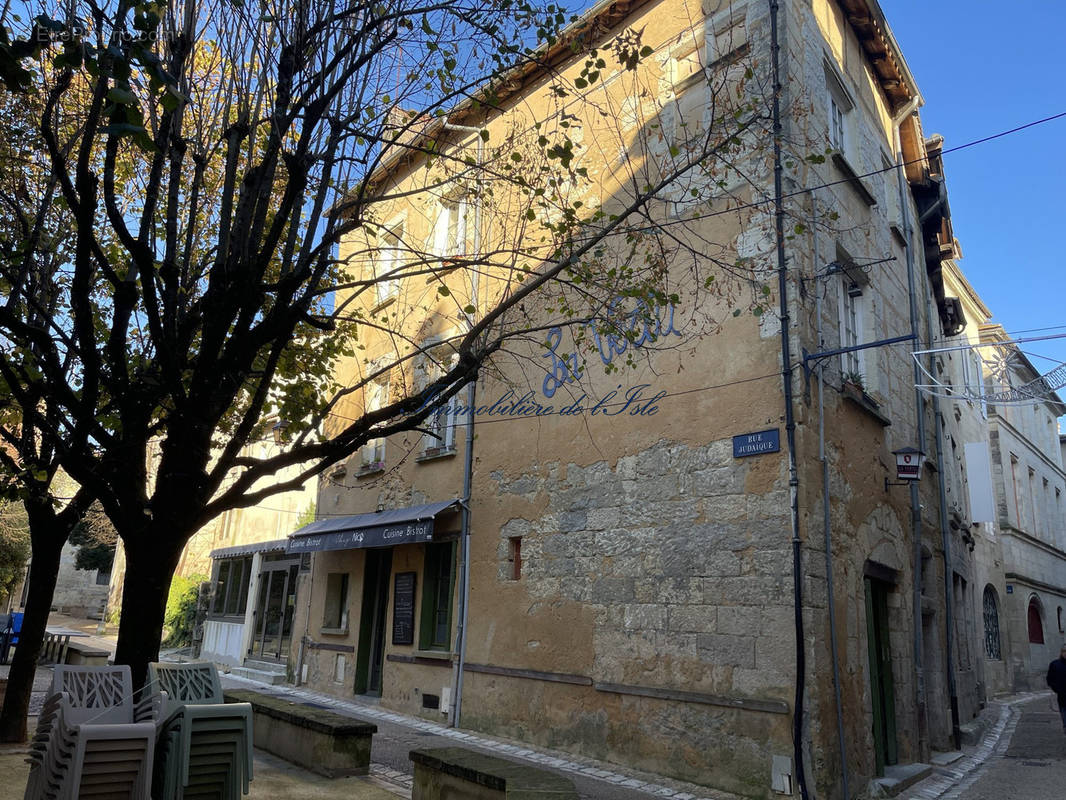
(1021, 757)
(1030, 763)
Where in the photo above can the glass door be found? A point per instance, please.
(274, 611)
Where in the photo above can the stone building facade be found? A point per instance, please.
(629, 572)
(1028, 470)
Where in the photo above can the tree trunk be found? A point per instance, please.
(45, 568)
(149, 570)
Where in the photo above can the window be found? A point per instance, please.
(851, 314)
(436, 622)
(372, 454)
(450, 231)
(515, 557)
(440, 425)
(891, 184)
(335, 614)
(839, 105)
(1036, 627)
(962, 618)
(231, 586)
(389, 264)
(1014, 487)
(991, 617)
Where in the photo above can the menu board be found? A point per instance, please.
(403, 608)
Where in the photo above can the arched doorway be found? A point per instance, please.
(1036, 625)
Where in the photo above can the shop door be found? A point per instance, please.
(882, 690)
(274, 612)
(369, 664)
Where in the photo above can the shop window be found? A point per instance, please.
(439, 577)
(1036, 627)
(991, 617)
(231, 586)
(335, 615)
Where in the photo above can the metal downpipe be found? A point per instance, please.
(790, 421)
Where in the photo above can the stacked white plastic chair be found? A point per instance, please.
(204, 744)
(92, 740)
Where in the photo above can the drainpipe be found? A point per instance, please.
(915, 499)
(790, 421)
(455, 714)
(945, 538)
(834, 648)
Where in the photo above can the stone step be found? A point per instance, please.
(897, 778)
(270, 677)
(265, 666)
(943, 759)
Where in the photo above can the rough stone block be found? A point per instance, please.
(725, 649)
(692, 619)
(573, 521)
(612, 590)
(644, 616)
(739, 620)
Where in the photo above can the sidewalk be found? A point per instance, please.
(1018, 723)
(272, 779)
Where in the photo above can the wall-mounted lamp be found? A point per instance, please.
(281, 432)
(909, 461)
(854, 290)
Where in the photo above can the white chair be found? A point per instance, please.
(204, 744)
(92, 740)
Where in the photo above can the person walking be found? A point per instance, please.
(1056, 679)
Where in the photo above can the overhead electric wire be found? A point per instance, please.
(829, 184)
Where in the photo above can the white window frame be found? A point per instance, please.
(839, 106)
(372, 454)
(389, 260)
(450, 227)
(852, 325)
(440, 425)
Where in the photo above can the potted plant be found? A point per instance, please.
(854, 386)
(854, 383)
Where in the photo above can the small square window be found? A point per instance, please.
(514, 556)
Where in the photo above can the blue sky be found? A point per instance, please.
(984, 68)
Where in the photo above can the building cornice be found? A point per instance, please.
(1012, 532)
(996, 420)
(1032, 583)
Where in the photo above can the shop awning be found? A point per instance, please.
(376, 529)
(274, 546)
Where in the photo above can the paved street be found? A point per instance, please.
(398, 734)
(1031, 765)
